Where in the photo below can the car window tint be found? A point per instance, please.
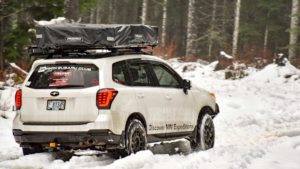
(64, 76)
(140, 75)
(120, 73)
(165, 78)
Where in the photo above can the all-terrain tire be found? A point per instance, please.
(32, 150)
(62, 155)
(136, 139)
(204, 137)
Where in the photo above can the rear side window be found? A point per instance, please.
(120, 73)
(140, 74)
(64, 76)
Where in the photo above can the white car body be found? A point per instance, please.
(165, 111)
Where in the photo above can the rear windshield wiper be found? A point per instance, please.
(68, 86)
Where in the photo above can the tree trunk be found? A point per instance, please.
(98, 16)
(266, 41)
(191, 34)
(92, 15)
(144, 11)
(224, 15)
(236, 28)
(111, 8)
(71, 10)
(20, 72)
(1, 37)
(164, 24)
(212, 28)
(293, 32)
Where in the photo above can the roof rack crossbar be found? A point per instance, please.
(86, 52)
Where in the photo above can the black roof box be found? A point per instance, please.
(94, 36)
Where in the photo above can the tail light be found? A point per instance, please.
(18, 99)
(105, 98)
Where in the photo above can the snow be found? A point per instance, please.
(52, 21)
(224, 54)
(18, 68)
(7, 99)
(195, 69)
(274, 73)
(258, 127)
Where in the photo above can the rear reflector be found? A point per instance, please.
(105, 98)
(18, 99)
(52, 145)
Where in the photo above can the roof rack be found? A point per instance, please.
(86, 53)
(64, 39)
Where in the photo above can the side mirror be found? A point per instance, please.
(186, 85)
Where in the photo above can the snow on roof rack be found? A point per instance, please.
(63, 38)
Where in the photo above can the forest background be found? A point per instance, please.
(249, 30)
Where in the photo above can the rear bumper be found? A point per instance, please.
(87, 135)
(217, 111)
(70, 139)
(106, 120)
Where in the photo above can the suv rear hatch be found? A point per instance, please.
(61, 94)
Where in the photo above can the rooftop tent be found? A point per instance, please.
(95, 36)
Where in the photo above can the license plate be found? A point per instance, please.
(56, 104)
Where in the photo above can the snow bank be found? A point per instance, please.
(7, 99)
(285, 155)
(196, 69)
(273, 73)
(8, 148)
(258, 127)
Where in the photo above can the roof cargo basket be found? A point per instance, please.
(64, 38)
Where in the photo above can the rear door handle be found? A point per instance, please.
(140, 95)
(168, 97)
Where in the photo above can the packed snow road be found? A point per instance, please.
(258, 128)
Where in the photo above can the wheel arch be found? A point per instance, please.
(136, 115)
(205, 109)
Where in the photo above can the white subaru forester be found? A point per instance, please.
(118, 104)
(117, 101)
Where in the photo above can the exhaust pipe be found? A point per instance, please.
(88, 142)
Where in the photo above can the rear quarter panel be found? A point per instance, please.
(125, 102)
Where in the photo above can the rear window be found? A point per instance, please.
(64, 76)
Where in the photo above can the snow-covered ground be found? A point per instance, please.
(258, 127)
